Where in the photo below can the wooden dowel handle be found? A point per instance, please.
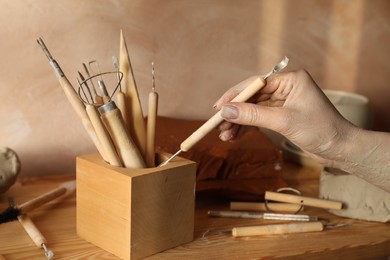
(301, 200)
(79, 108)
(277, 229)
(103, 136)
(256, 206)
(44, 198)
(121, 104)
(127, 150)
(215, 120)
(151, 129)
(35, 235)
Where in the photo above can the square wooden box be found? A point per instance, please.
(134, 213)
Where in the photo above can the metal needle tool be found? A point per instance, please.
(214, 121)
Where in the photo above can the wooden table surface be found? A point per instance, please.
(57, 222)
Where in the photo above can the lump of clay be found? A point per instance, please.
(362, 200)
(9, 168)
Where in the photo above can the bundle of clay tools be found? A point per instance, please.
(286, 207)
(117, 128)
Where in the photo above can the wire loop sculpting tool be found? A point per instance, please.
(98, 125)
(215, 120)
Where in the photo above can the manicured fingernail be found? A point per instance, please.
(229, 112)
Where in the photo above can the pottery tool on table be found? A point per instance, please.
(256, 215)
(214, 121)
(12, 213)
(301, 200)
(260, 206)
(100, 129)
(135, 119)
(151, 124)
(73, 98)
(35, 235)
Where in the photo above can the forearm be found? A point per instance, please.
(367, 155)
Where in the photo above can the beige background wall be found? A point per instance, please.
(200, 48)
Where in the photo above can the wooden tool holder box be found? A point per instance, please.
(134, 213)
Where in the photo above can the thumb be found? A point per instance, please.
(254, 115)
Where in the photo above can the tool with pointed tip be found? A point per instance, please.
(214, 121)
(73, 98)
(35, 235)
(135, 120)
(151, 124)
(120, 96)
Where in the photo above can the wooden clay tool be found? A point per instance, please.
(127, 150)
(135, 119)
(151, 124)
(301, 200)
(74, 99)
(35, 235)
(277, 229)
(259, 206)
(215, 120)
(12, 213)
(120, 96)
(100, 129)
(256, 215)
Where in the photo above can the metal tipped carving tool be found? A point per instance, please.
(35, 235)
(151, 124)
(102, 87)
(256, 215)
(127, 150)
(73, 98)
(214, 121)
(98, 125)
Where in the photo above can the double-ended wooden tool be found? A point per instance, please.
(215, 120)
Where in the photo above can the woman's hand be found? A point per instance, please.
(293, 105)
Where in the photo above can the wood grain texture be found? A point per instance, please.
(359, 240)
(134, 213)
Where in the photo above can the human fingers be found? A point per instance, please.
(233, 92)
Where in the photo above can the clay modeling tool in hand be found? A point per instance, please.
(12, 213)
(301, 200)
(73, 98)
(151, 124)
(260, 206)
(35, 235)
(214, 121)
(135, 119)
(100, 129)
(127, 150)
(120, 96)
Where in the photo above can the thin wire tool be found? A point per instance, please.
(214, 121)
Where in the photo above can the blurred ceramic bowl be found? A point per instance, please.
(354, 107)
